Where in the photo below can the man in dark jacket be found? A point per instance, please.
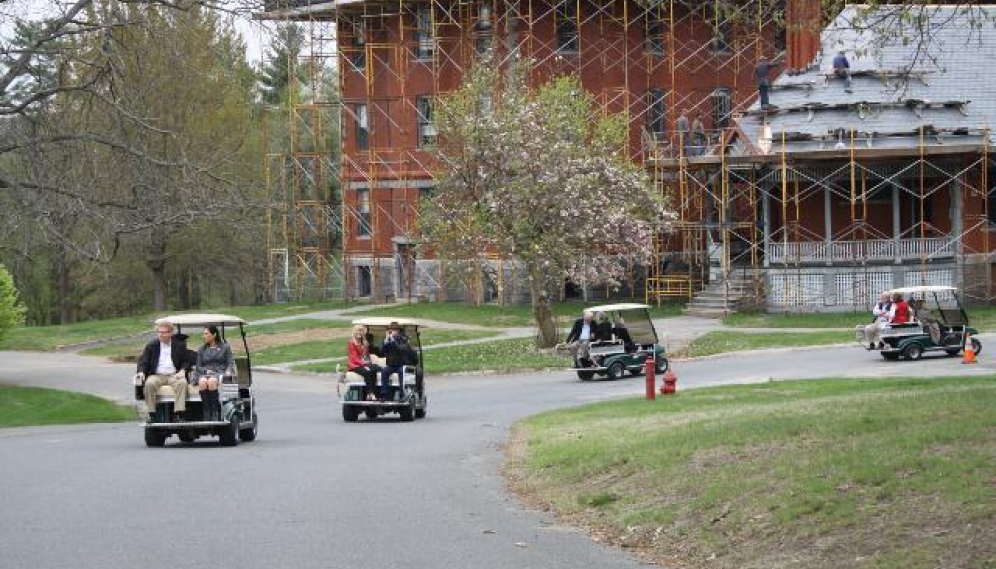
(397, 353)
(164, 361)
(580, 337)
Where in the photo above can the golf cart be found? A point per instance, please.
(405, 394)
(238, 400)
(940, 325)
(634, 339)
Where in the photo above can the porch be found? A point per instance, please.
(852, 252)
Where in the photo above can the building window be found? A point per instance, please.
(426, 130)
(362, 127)
(721, 108)
(359, 58)
(720, 28)
(363, 228)
(483, 23)
(425, 41)
(426, 193)
(991, 197)
(656, 112)
(567, 26)
(364, 281)
(654, 35)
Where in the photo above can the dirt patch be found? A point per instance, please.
(264, 341)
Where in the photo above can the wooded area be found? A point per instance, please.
(131, 145)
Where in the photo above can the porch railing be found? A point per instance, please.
(870, 250)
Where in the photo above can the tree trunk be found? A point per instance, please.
(184, 289)
(65, 288)
(542, 314)
(156, 261)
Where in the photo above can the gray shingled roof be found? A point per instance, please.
(949, 90)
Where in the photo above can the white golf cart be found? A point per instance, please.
(405, 394)
(634, 339)
(238, 417)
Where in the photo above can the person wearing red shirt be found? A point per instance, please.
(900, 312)
(358, 360)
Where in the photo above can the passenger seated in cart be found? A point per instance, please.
(620, 331)
(880, 319)
(900, 312)
(164, 362)
(603, 328)
(579, 339)
(358, 361)
(927, 320)
(397, 353)
(214, 360)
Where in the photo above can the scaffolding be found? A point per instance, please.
(652, 61)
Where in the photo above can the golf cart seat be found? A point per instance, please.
(606, 348)
(353, 377)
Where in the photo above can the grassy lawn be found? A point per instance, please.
(337, 348)
(44, 338)
(727, 341)
(499, 355)
(983, 318)
(500, 316)
(870, 473)
(24, 406)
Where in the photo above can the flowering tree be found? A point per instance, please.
(539, 176)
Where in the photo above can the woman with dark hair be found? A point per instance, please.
(214, 360)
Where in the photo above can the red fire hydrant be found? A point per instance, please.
(651, 380)
(670, 384)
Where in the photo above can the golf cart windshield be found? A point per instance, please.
(636, 318)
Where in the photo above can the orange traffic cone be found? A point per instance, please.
(969, 350)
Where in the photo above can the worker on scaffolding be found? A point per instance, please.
(842, 69)
(762, 72)
(681, 125)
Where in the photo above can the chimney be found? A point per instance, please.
(803, 24)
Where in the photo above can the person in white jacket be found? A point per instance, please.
(880, 319)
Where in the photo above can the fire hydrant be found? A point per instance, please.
(670, 384)
(651, 379)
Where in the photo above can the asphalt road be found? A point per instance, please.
(313, 491)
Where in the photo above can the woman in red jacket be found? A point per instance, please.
(358, 360)
(900, 313)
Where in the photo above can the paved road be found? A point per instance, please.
(313, 491)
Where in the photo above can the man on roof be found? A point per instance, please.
(842, 69)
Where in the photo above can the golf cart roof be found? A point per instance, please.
(922, 289)
(618, 307)
(384, 321)
(202, 320)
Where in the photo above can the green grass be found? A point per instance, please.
(295, 326)
(834, 473)
(337, 349)
(25, 406)
(500, 316)
(44, 338)
(729, 341)
(845, 320)
(498, 355)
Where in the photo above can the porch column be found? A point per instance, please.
(957, 224)
(766, 225)
(826, 224)
(895, 224)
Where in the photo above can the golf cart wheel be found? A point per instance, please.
(660, 364)
(229, 435)
(350, 414)
(155, 438)
(976, 346)
(249, 434)
(891, 356)
(408, 411)
(186, 437)
(913, 352)
(420, 411)
(617, 370)
(585, 375)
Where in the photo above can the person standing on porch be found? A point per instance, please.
(681, 125)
